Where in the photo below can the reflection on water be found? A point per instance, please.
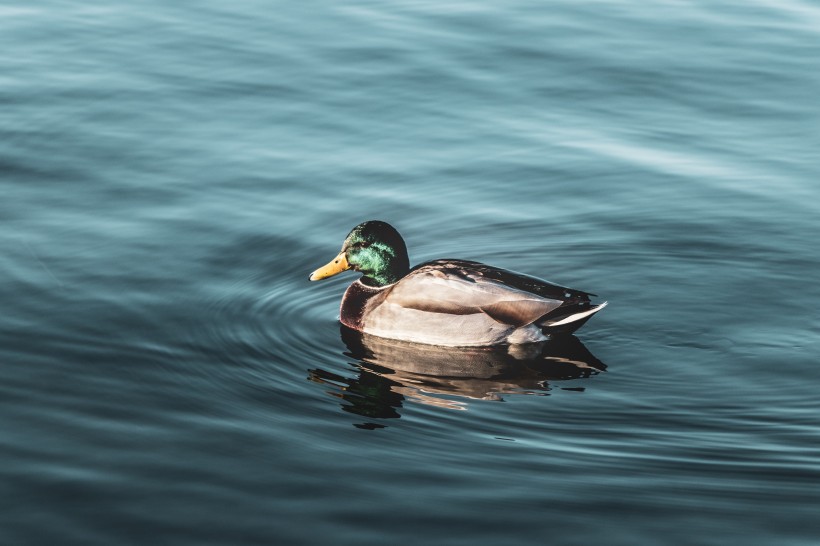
(171, 175)
(391, 371)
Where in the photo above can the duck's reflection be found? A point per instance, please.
(390, 371)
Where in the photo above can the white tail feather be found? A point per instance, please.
(577, 316)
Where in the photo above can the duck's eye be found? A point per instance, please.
(361, 245)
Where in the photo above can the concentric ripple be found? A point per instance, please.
(268, 330)
(257, 328)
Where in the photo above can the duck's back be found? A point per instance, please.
(459, 303)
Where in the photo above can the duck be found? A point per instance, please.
(447, 302)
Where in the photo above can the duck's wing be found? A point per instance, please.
(472, 270)
(457, 287)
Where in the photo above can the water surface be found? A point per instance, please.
(172, 173)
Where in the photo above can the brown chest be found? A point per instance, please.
(358, 299)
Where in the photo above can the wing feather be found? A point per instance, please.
(446, 292)
(520, 312)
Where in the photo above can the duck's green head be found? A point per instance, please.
(373, 248)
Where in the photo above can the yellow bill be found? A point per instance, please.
(336, 266)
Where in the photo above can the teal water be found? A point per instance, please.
(170, 174)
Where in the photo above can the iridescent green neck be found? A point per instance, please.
(380, 266)
(377, 251)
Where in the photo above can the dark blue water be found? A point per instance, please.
(171, 173)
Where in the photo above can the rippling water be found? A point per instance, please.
(172, 173)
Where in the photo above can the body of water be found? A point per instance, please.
(171, 173)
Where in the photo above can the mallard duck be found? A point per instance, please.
(447, 302)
